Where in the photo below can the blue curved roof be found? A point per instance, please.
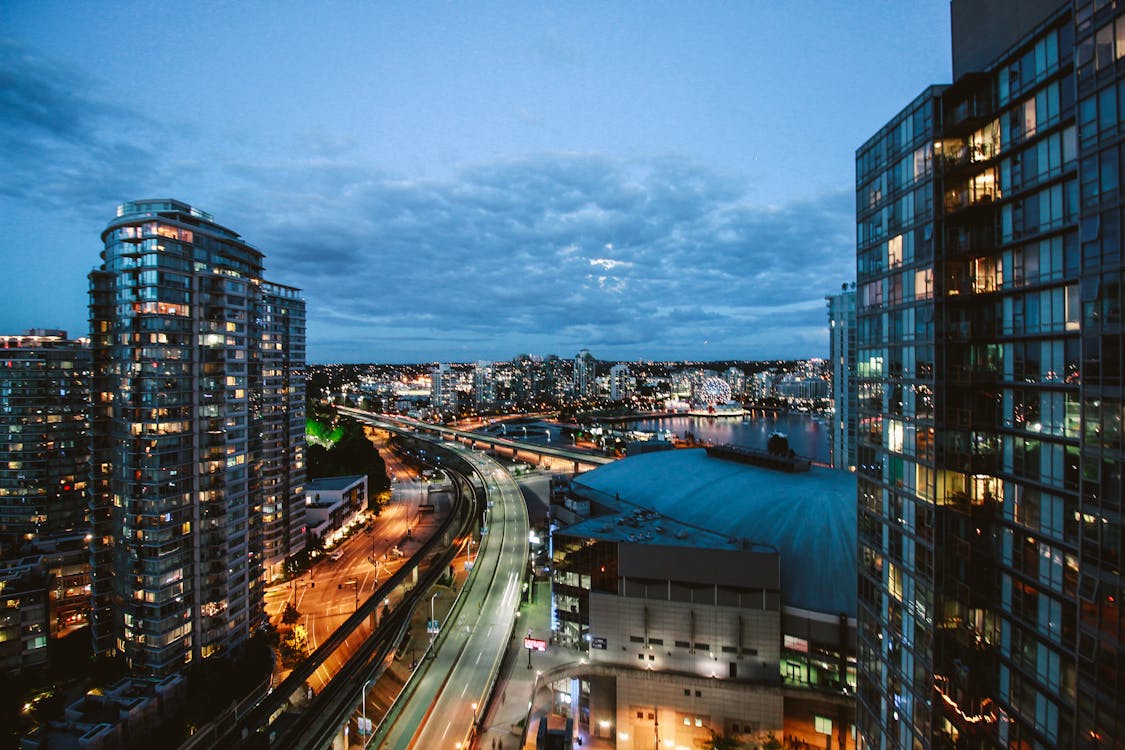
(809, 517)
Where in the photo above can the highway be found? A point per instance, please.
(367, 559)
(575, 457)
(439, 710)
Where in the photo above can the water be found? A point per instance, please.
(807, 437)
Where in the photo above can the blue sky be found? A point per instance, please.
(463, 180)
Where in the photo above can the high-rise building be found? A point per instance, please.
(841, 346)
(44, 439)
(990, 391)
(620, 382)
(585, 385)
(484, 385)
(198, 453)
(736, 379)
(280, 415)
(443, 389)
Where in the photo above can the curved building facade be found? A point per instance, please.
(192, 399)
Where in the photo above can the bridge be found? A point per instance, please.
(519, 450)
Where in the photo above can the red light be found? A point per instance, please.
(66, 487)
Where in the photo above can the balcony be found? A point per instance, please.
(967, 104)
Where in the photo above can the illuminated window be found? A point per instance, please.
(894, 251)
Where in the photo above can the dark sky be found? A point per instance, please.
(464, 180)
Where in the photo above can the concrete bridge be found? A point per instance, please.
(536, 454)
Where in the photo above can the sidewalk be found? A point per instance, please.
(513, 701)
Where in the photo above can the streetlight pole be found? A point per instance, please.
(433, 627)
(363, 729)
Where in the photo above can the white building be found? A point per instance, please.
(484, 385)
(332, 504)
(620, 382)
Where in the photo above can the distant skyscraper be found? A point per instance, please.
(990, 391)
(736, 379)
(443, 389)
(44, 440)
(584, 374)
(484, 385)
(198, 456)
(620, 382)
(841, 344)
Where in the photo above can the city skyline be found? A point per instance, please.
(451, 183)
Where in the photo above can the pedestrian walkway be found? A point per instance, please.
(518, 700)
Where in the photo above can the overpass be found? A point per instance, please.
(518, 449)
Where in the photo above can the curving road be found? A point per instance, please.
(440, 710)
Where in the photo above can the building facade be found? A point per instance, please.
(281, 417)
(708, 591)
(484, 385)
(990, 391)
(44, 436)
(190, 410)
(841, 347)
(585, 374)
(620, 382)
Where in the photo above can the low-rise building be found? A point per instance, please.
(332, 504)
(120, 716)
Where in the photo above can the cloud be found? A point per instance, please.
(642, 258)
(655, 257)
(65, 144)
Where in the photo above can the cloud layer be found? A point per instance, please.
(659, 257)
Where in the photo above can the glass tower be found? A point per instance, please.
(196, 455)
(990, 393)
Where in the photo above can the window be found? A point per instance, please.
(822, 725)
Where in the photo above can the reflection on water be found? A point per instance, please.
(807, 436)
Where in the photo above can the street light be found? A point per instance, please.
(363, 729)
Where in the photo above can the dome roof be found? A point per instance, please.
(809, 517)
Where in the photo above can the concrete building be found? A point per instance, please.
(443, 389)
(122, 716)
(708, 590)
(620, 382)
(334, 503)
(197, 368)
(841, 345)
(484, 385)
(990, 391)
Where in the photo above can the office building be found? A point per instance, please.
(989, 441)
(841, 346)
(44, 437)
(197, 454)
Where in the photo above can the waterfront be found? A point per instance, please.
(807, 436)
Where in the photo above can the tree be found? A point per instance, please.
(724, 741)
(778, 445)
(290, 615)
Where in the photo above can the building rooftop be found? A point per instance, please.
(332, 484)
(695, 499)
